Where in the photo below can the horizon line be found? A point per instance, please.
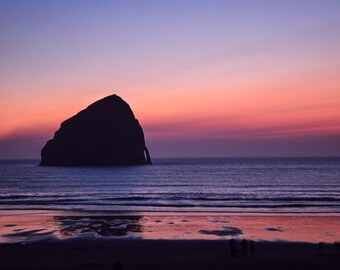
(201, 157)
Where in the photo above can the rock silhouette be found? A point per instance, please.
(106, 133)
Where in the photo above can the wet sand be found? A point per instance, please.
(28, 226)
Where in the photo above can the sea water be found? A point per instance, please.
(291, 185)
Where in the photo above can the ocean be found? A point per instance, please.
(261, 185)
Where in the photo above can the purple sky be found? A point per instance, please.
(204, 78)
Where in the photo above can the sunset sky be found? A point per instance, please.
(204, 78)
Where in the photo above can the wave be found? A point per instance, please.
(287, 199)
(88, 198)
(165, 204)
(228, 206)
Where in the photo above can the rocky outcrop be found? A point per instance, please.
(104, 134)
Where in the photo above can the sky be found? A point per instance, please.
(204, 78)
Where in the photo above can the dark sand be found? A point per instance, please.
(162, 254)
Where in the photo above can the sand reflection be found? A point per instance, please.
(100, 226)
(22, 228)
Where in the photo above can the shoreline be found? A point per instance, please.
(33, 239)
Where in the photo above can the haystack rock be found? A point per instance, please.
(104, 134)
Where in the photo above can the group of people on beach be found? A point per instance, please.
(321, 246)
(243, 250)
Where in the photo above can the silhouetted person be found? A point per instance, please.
(118, 266)
(337, 247)
(321, 246)
(232, 246)
(252, 248)
(244, 248)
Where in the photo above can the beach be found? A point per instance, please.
(77, 240)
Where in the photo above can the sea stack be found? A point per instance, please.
(106, 133)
